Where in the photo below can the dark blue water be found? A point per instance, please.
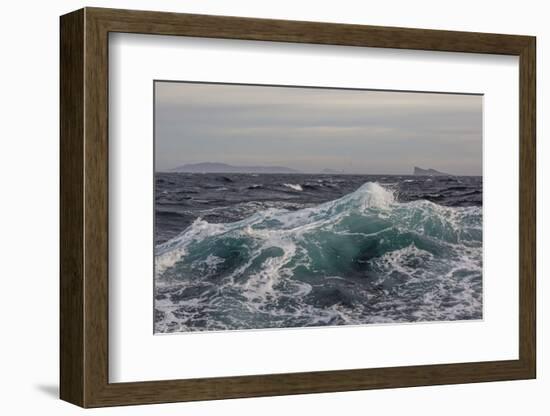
(247, 251)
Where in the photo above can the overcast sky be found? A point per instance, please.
(311, 129)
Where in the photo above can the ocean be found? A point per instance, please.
(253, 251)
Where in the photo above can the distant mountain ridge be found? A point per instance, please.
(216, 167)
(212, 167)
(429, 172)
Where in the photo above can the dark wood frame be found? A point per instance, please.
(84, 209)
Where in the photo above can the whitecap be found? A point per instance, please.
(296, 187)
(273, 268)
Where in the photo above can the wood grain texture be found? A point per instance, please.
(71, 185)
(96, 208)
(84, 207)
(527, 208)
(162, 23)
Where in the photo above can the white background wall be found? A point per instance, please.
(29, 208)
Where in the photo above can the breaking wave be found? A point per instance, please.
(364, 258)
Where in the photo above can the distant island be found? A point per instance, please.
(215, 167)
(212, 167)
(429, 172)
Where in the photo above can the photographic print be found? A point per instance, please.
(289, 206)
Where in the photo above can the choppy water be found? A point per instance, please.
(242, 251)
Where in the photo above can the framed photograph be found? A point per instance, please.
(255, 207)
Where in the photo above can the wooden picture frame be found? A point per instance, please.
(84, 207)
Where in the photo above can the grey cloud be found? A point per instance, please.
(312, 129)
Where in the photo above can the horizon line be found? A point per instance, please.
(310, 173)
(298, 171)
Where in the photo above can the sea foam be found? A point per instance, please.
(362, 258)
